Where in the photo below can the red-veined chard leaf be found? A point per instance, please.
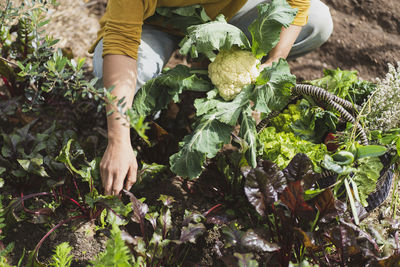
(152, 218)
(191, 232)
(139, 209)
(215, 35)
(166, 200)
(263, 184)
(191, 216)
(301, 168)
(266, 28)
(165, 221)
(156, 246)
(165, 214)
(344, 239)
(273, 87)
(361, 234)
(250, 239)
(256, 242)
(292, 197)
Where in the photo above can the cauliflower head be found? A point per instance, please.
(232, 70)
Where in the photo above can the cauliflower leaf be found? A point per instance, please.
(218, 35)
(211, 36)
(212, 130)
(273, 87)
(266, 28)
(161, 90)
(249, 133)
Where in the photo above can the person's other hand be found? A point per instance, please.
(118, 165)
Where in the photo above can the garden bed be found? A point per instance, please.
(249, 205)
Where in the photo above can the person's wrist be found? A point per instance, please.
(115, 139)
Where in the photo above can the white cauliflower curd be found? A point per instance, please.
(232, 70)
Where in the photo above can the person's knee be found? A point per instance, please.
(149, 64)
(155, 50)
(98, 60)
(320, 20)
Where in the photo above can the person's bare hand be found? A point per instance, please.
(118, 165)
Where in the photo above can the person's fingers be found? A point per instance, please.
(131, 177)
(118, 183)
(106, 178)
(108, 185)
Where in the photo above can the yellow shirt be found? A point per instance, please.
(121, 25)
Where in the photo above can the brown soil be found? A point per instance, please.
(365, 38)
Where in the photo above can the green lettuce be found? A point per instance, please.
(314, 123)
(345, 84)
(281, 147)
(284, 120)
(366, 176)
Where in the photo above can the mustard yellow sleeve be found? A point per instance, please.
(122, 25)
(302, 13)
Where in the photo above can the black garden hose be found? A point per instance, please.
(334, 101)
(322, 94)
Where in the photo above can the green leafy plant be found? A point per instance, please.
(281, 147)
(314, 123)
(4, 251)
(298, 223)
(165, 243)
(116, 252)
(86, 202)
(31, 68)
(25, 155)
(2, 224)
(359, 167)
(345, 84)
(216, 117)
(61, 256)
(180, 17)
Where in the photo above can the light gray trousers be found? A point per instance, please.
(156, 46)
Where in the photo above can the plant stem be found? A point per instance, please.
(352, 203)
(210, 210)
(395, 196)
(36, 250)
